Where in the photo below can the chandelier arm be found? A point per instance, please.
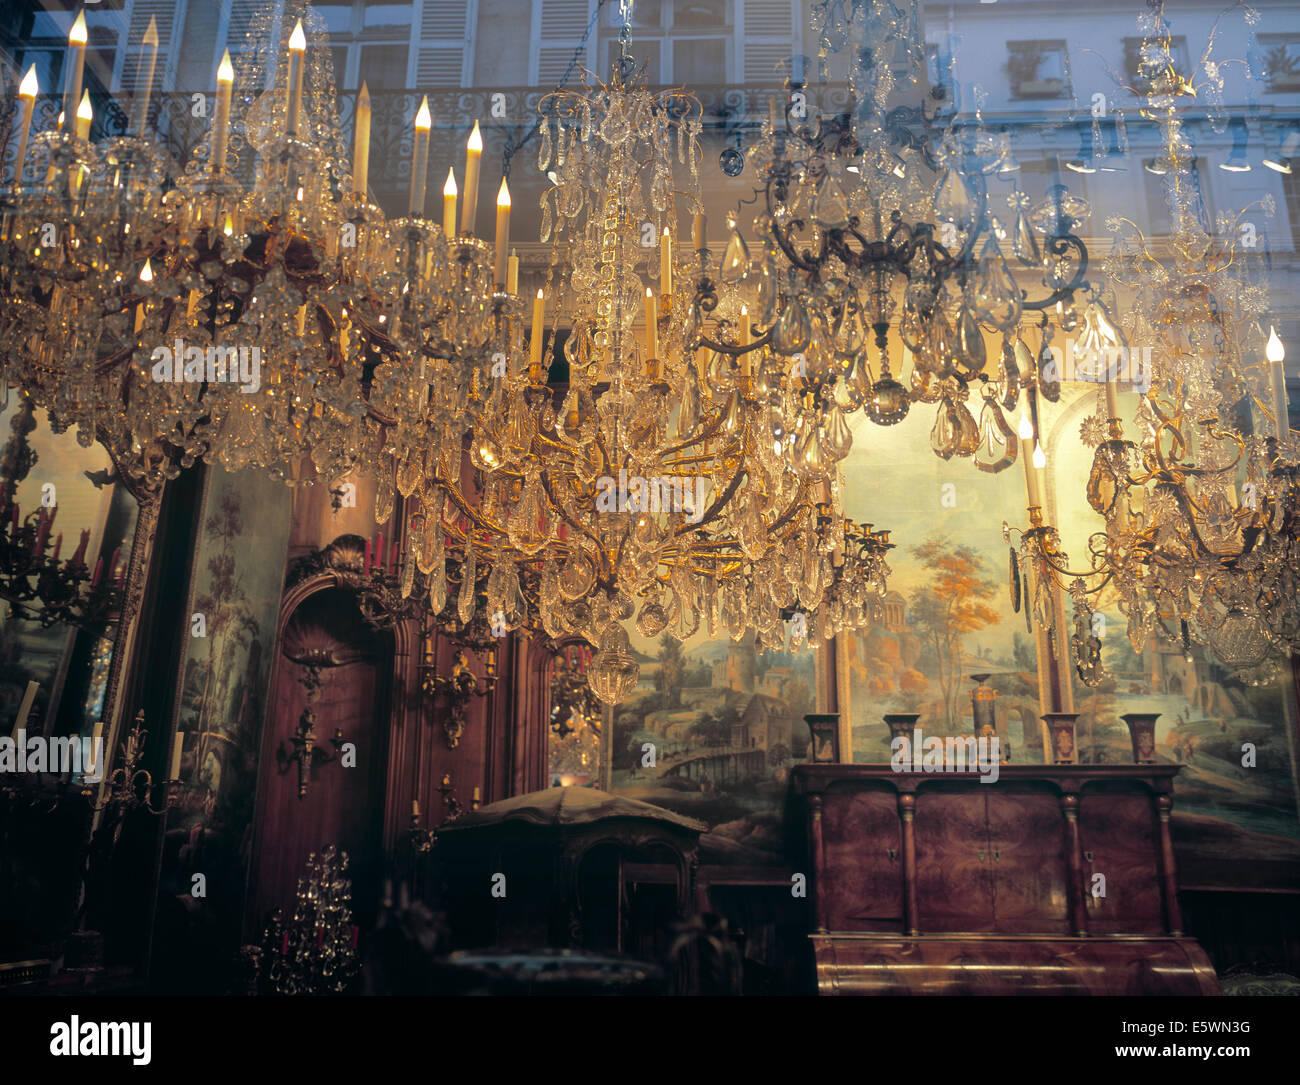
(718, 505)
(565, 515)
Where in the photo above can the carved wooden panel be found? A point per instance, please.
(954, 869)
(1117, 827)
(1027, 850)
(864, 875)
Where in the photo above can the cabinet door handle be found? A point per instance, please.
(996, 856)
(1087, 855)
(893, 854)
(982, 855)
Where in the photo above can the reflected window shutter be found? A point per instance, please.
(561, 27)
(163, 12)
(444, 43)
(769, 34)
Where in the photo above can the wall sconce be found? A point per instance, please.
(1237, 162)
(1279, 158)
(458, 687)
(305, 751)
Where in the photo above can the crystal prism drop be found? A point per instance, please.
(793, 329)
(952, 200)
(735, 260)
(997, 298)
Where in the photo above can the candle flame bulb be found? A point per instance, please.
(298, 40)
(29, 87)
(1026, 428)
(1275, 351)
(146, 273)
(1040, 459)
(151, 32)
(84, 111)
(503, 194)
(225, 70)
(423, 118)
(77, 35)
(475, 139)
(450, 189)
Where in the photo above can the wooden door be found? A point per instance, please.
(863, 884)
(954, 864)
(1027, 848)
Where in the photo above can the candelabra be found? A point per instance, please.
(35, 584)
(306, 753)
(130, 787)
(457, 687)
(314, 952)
(423, 840)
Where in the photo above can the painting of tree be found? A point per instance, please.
(946, 606)
(672, 672)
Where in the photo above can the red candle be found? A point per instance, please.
(320, 937)
(79, 555)
(15, 517)
(367, 559)
(379, 552)
(112, 564)
(58, 545)
(42, 533)
(356, 932)
(99, 568)
(284, 944)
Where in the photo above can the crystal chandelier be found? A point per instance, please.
(853, 242)
(253, 307)
(1202, 510)
(649, 484)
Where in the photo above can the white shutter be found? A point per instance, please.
(770, 35)
(558, 28)
(445, 36)
(238, 23)
(167, 15)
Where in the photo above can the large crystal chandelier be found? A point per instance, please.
(856, 238)
(1202, 511)
(239, 307)
(649, 485)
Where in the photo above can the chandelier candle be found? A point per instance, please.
(449, 193)
(1031, 453)
(221, 125)
(297, 47)
(503, 232)
(25, 707)
(420, 157)
(85, 114)
(512, 274)
(473, 152)
(361, 144)
(1275, 352)
(27, 93)
(666, 264)
(651, 326)
(699, 238)
(144, 79)
(76, 68)
(177, 742)
(535, 340)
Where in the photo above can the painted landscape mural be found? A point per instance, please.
(726, 723)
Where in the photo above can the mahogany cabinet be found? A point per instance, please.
(1052, 879)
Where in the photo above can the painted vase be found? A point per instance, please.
(1060, 725)
(1142, 730)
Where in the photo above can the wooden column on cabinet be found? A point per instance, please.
(819, 862)
(1168, 869)
(1074, 860)
(907, 815)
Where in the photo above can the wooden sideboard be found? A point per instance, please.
(938, 883)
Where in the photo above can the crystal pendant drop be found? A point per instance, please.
(952, 200)
(998, 446)
(1023, 242)
(997, 298)
(735, 260)
(829, 206)
(836, 438)
(466, 596)
(793, 329)
(968, 350)
(613, 670)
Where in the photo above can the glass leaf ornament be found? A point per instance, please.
(998, 445)
(997, 298)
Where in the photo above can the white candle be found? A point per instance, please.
(666, 263)
(1275, 352)
(415, 808)
(503, 231)
(144, 79)
(177, 742)
(473, 152)
(85, 114)
(535, 342)
(27, 90)
(651, 325)
(76, 68)
(25, 707)
(1034, 462)
(1112, 399)
(449, 193)
(221, 129)
(420, 157)
(512, 274)
(361, 144)
(699, 238)
(297, 47)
